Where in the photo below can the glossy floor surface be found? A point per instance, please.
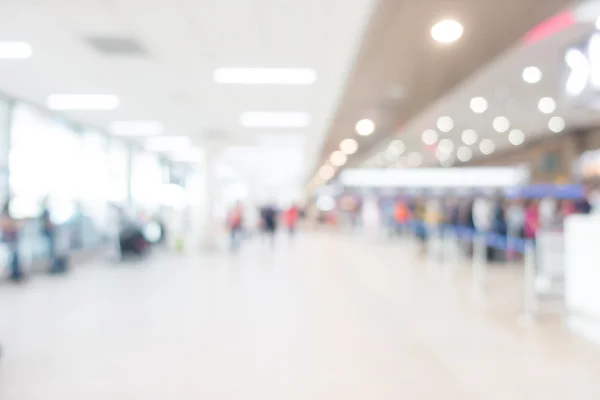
(325, 317)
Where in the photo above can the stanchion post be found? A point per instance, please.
(530, 299)
(479, 262)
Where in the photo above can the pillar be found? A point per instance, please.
(202, 189)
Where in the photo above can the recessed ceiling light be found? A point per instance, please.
(532, 74)
(442, 155)
(399, 146)
(137, 128)
(338, 158)
(267, 119)
(479, 105)
(547, 105)
(80, 102)
(556, 124)
(469, 137)
(414, 159)
(464, 153)
(516, 137)
(447, 31)
(15, 50)
(429, 137)
(168, 143)
(365, 127)
(501, 124)
(326, 172)
(445, 146)
(266, 76)
(445, 124)
(349, 146)
(486, 146)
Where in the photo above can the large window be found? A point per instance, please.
(118, 173)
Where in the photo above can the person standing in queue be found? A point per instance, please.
(234, 221)
(290, 218)
(10, 235)
(48, 231)
(269, 223)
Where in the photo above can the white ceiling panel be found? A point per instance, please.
(185, 41)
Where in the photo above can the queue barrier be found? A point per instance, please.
(543, 259)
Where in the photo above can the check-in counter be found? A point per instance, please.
(582, 275)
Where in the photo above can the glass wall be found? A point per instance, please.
(146, 181)
(5, 108)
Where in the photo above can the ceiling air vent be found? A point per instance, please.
(116, 46)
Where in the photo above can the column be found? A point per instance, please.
(202, 191)
(5, 123)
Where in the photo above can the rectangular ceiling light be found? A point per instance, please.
(264, 119)
(168, 143)
(266, 76)
(82, 102)
(15, 50)
(137, 128)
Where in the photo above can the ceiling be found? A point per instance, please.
(400, 70)
(169, 77)
(508, 95)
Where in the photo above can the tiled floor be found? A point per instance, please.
(327, 317)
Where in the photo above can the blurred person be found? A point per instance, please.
(234, 223)
(482, 214)
(531, 221)
(567, 207)
(515, 218)
(268, 216)
(499, 227)
(419, 216)
(49, 233)
(10, 236)
(401, 215)
(371, 216)
(290, 219)
(548, 213)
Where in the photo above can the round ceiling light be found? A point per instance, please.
(532, 75)
(326, 172)
(501, 124)
(349, 146)
(469, 137)
(338, 158)
(479, 105)
(429, 137)
(547, 105)
(399, 146)
(365, 127)
(445, 146)
(464, 153)
(414, 159)
(447, 162)
(556, 124)
(516, 137)
(486, 146)
(447, 31)
(445, 124)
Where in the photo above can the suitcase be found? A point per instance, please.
(60, 265)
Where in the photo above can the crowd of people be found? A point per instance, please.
(270, 218)
(513, 218)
